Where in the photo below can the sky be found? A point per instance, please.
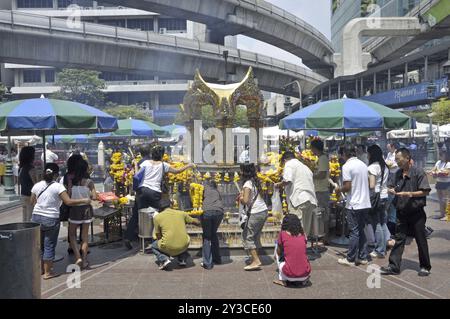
(315, 12)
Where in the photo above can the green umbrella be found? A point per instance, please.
(346, 115)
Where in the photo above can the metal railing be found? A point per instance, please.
(36, 22)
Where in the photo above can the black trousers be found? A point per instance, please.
(416, 222)
(145, 197)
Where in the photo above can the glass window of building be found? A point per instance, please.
(49, 76)
(172, 98)
(140, 24)
(140, 77)
(81, 3)
(172, 24)
(34, 3)
(32, 76)
(113, 22)
(113, 76)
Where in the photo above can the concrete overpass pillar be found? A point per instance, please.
(55, 4)
(405, 75)
(374, 83)
(352, 59)
(362, 86)
(389, 84)
(339, 89)
(155, 24)
(425, 69)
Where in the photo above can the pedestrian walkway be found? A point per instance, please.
(119, 273)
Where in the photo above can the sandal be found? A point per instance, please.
(444, 219)
(280, 282)
(252, 268)
(85, 264)
(50, 276)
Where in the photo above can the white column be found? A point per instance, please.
(101, 154)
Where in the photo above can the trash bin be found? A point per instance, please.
(20, 261)
(318, 223)
(146, 224)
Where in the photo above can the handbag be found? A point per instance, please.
(64, 210)
(164, 185)
(244, 215)
(138, 178)
(375, 199)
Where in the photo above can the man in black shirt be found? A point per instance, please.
(410, 187)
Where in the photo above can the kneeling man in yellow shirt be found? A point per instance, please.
(171, 237)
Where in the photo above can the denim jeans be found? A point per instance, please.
(49, 235)
(378, 221)
(162, 257)
(357, 220)
(147, 197)
(210, 250)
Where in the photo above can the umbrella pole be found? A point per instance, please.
(44, 151)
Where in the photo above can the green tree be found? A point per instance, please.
(2, 90)
(127, 111)
(441, 110)
(241, 116)
(83, 86)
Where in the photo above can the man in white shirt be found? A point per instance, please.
(49, 155)
(245, 156)
(356, 184)
(300, 192)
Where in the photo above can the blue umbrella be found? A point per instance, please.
(50, 117)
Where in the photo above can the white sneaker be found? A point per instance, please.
(165, 264)
(345, 262)
(363, 262)
(373, 254)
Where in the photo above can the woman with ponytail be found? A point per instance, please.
(256, 211)
(47, 197)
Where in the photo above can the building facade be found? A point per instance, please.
(343, 11)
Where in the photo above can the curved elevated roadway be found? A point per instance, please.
(257, 19)
(39, 40)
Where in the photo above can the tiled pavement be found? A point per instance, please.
(118, 273)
